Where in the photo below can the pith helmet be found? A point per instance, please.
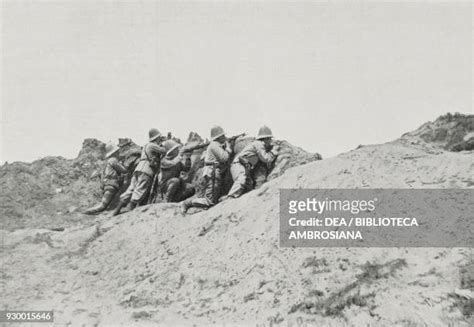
(154, 134)
(170, 145)
(110, 149)
(264, 132)
(216, 132)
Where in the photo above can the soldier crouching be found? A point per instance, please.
(110, 179)
(260, 151)
(173, 171)
(216, 158)
(144, 172)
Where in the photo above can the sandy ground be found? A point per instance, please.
(224, 265)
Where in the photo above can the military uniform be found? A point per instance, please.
(110, 181)
(143, 174)
(145, 170)
(259, 151)
(244, 163)
(216, 158)
(173, 187)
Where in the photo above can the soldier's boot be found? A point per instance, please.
(185, 205)
(95, 210)
(119, 207)
(104, 203)
(133, 205)
(167, 197)
(235, 192)
(225, 197)
(90, 211)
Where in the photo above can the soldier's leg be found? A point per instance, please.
(239, 175)
(107, 197)
(216, 187)
(185, 191)
(249, 183)
(206, 199)
(141, 189)
(127, 195)
(171, 189)
(259, 175)
(95, 209)
(202, 202)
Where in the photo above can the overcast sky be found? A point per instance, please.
(325, 76)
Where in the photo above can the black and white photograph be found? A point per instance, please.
(236, 163)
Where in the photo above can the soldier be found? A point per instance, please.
(110, 179)
(173, 173)
(130, 154)
(216, 158)
(260, 150)
(144, 172)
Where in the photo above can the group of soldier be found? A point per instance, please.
(167, 161)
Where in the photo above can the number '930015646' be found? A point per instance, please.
(26, 316)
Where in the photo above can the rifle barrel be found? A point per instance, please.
(197, 147)
(236, 136)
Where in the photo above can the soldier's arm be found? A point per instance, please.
(118, 166)
(264, 156)
(220, 154)
(157, 149)
(167, 162)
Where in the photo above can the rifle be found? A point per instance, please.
(235, 137)
(154, 190)
(196, 147)
(231, 140)
(205, 144)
